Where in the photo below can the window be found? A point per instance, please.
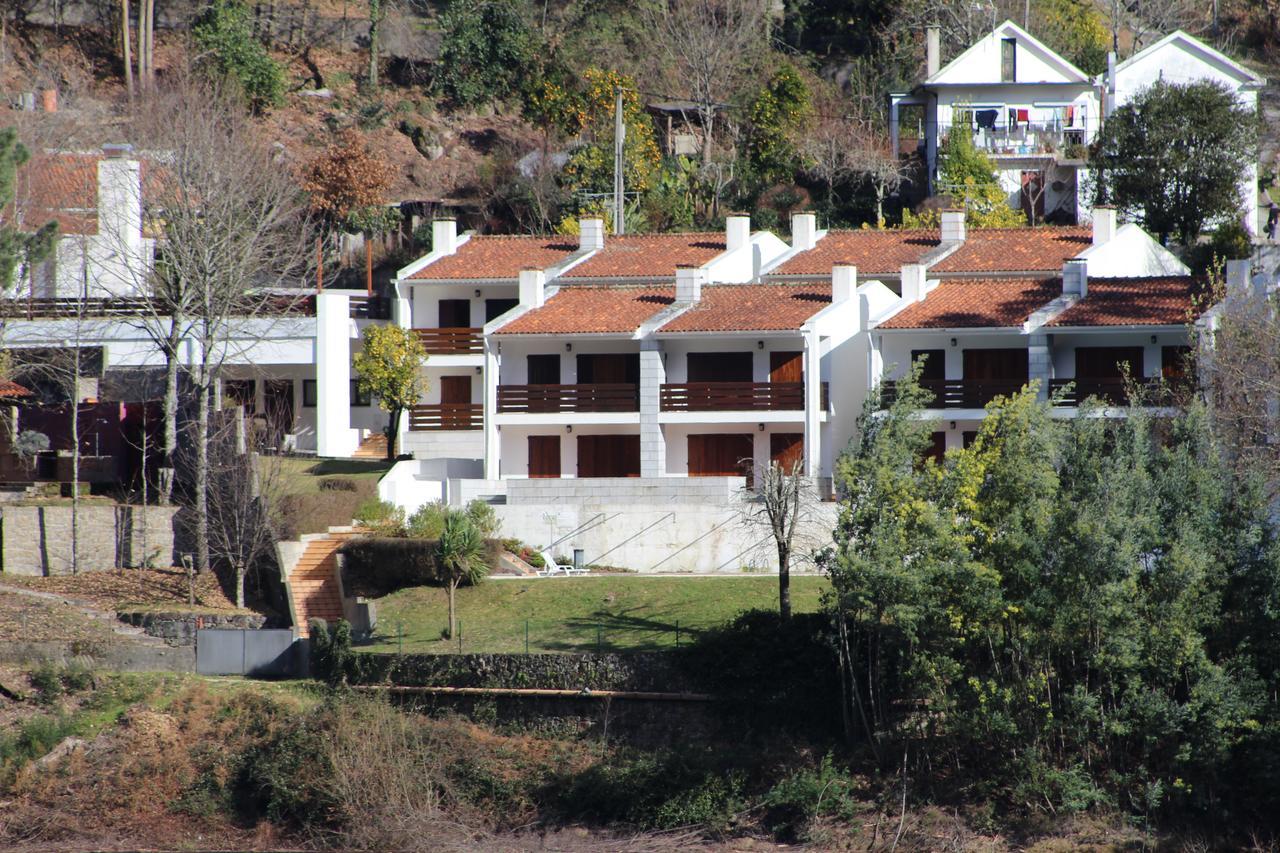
(240, 392)
(1008, 60)
(309, 394)
(359, 398)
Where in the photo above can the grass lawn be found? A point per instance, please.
(627, 612)
(303, 476)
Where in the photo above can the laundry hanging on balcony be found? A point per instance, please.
(986, 118)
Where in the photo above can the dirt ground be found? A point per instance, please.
(151, 589)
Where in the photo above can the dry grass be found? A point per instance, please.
(133, 589)
(24, 619)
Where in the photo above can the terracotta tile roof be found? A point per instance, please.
(588, 310)
(752, 307)
(873, 252)
(1015, 250)
(979, 303)
(63, 186)
(648, 255)
(1165, 301)
(489, 256)
(12, 389)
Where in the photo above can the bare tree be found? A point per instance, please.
(829, 150)
(235, 235)
(876, 160)
(1147, 20)
(708, 49)
(783, 503)
(245, 492)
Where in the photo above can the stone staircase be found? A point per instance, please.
(315, 588)
(373, 447)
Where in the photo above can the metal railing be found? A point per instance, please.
(443, 416)
(451, 341)
(957, 393)
(1022, 139)
(734, 396)
(592, 397)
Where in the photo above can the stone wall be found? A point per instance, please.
(179, 629)
(36, 540)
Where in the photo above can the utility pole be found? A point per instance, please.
(619, 136)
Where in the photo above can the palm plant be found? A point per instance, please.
(459, 557)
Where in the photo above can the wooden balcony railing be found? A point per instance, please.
(958, 393)
(1114, 391)
(451, 341)
(597, 397)
(431, 416)
(734, 396)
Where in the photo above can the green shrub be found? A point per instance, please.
(375, 566)
(484, 518)
(428, 521)
(793, 803)
(382, 517)
(47, 681)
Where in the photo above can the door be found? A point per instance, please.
(720, 455)
(933, 364)
(608, 456)
(992, 372)
(1173, 363)
(455, 402)
(495, 308)
(240, 392)
(544, 456)
(455, 313)
(786, 450)
(786, 367)
(277, 397)
(544, 370)
(1100, 371)
(720, 367)
(609, 369)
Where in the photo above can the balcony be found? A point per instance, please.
(451, 341)
(593, 397)
(1027, 139)
(957, 393)
(1115, 392)
(442, 416)
(734, 396)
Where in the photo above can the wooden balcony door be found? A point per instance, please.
(933, 368)
(544, 369)
(455, 313)
(786, 450)
(720, 367)
(995, 365)
(455, 391)
(609, 456)
(495, 308)
(544, 456)
(609, 369)
(720, 454)
(786, 366)
(1106, 362)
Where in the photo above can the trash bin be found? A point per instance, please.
(579, 559)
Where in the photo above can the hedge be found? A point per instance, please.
(378, 566)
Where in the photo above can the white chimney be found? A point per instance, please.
(444, 236)
(804, 231)
(1075, 278)
(1109, 91)
(120, 196)
(953, 230)
(913, 282)
(844, 282)
(533, 287)
(933, 50)
(591, 233)
(689, 281)
(737, 231)
(1240, 277)
(1104, 224)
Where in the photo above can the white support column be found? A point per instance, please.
(653, 446)
(334, 435)
(492, 439)
(1040, 362)
(812, 403)
(401, 307)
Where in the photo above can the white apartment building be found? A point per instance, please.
(1035, 114)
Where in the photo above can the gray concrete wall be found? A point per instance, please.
(36, 540)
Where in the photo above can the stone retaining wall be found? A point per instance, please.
(36, 540)
(179, 629)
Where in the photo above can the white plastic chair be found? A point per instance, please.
(553, 568)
